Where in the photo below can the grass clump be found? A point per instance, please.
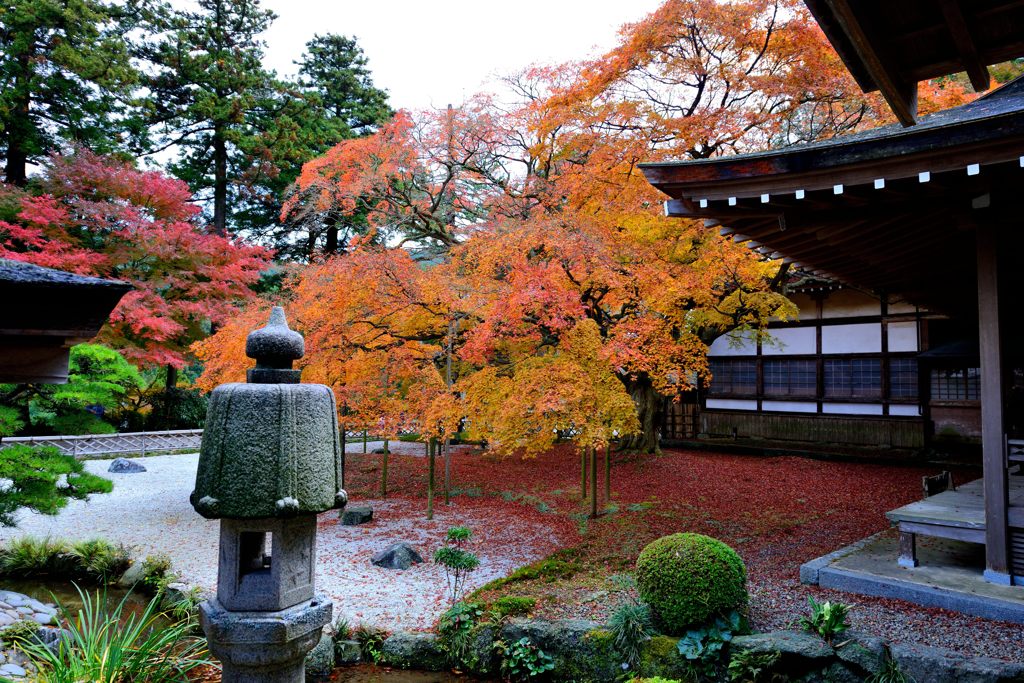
(371, 641)
(117, 646)
(101, 559)
(631, 625)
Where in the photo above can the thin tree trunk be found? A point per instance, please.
(341, 435)
(430, 479)
(608, 473)
(447, 471)
(170, 397)
(384, 470)
(331, 239)
(220, 181)
(19, 125)
(583, 474)
(593, 482)
(364, 442)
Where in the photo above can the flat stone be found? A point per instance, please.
(14, 599)
(133, 575)
(347, 652)
(408, 650)
(42, 618)
(25, 610)
(125, 466)
(356, 514)
(793, 643)
(6, 619)
(320, 660)
(13, 670)
(861, 651)
(397, 556)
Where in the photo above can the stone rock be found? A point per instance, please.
(414, 651)
(347, 652)
(396, 556)
(133, 575)
(6, 619)
(570, 644)
(356, 514)
(13, 670)
(13, 599)
(863, 652)
(43, 618)
(381, 451)
(174, 593)
(837, 673)
(482, 655)
(793, 643)
(125, 466)
(320, 660)
(936, 665)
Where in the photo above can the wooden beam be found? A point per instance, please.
(901, 96)
(957, 24)
(993, 423)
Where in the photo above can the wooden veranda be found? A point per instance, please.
(930, 212)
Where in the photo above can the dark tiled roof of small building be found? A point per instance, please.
(19, 272)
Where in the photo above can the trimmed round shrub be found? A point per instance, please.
(689, 579)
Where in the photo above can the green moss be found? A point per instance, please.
(660, 657)
(560, 565)
(690, 579)
(513, 606)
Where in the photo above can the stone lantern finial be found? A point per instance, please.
(274, 347)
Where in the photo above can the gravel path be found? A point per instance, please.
(150, 511)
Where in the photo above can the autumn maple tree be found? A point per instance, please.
(97, 216)
(507, 266)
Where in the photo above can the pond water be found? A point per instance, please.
(66, 595)
(376, 674)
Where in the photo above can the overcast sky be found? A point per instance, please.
(434, 52)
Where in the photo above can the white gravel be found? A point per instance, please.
(150, 512)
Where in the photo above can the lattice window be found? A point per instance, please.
(853, 378)
(733, 376)
(903, 378)
(785, 377)
(956, 384)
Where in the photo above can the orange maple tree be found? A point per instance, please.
(556, 299)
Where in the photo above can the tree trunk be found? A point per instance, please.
(331, 239)
(608, 473)
(19, 125)
(220, 181)
(384, 469)
(593, 482)
(170, 397)
(583, 474)
(648, 409)
(447, 471)
(430, 479)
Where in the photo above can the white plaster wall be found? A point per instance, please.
(903, 336)
(860, 338)
(808, 309)
(852, 408)
(731, 404)
(905, 410)
(790, 340)
(845, 303)
(733, 344)
(901, 307)
(790, 406)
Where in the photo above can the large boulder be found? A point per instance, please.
(802, 653)
(356, 514)
(935, 665)
(347, 652)
(135, 573)
(577, 646)
(861, 652)
(125, 466)
(407, 650)
(397, 556)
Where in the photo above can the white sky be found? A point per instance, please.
(428, 53)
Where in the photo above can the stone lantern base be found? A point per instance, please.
(258, 647)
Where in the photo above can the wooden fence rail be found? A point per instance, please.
(89, 445)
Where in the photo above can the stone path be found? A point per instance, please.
(150, 511)
(15, 607)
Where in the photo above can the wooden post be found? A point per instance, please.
(341, 434)
(908, 550)
(583, 474)
(430, 478)
(993, 424)
(593, 482)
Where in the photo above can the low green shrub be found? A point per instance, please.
(513, 606)
(522, 660)
(828, 619)
(101, 560)
(455, 630)
(631, 626)
(748, 666)
(703, 647)
(342, 629)
(156, 572)
(28, 557)
(119, 645)
(456, 560)
(690, 579)
(371, 641)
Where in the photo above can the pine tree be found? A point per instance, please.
(65, 74)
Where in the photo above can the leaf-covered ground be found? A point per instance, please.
(777, 512)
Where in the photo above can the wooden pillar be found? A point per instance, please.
(993, 424)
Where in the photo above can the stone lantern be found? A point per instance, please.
(269, 462)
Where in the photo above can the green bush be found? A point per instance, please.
(101, 560)
(455, 630)
(828, 619)
(690, 579)
(156, 572)
(28, 556)
(512, 606)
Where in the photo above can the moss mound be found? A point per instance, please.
(689, 579)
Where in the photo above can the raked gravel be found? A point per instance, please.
(150, 512)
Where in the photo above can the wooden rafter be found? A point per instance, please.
(901, 96)
(973, 65)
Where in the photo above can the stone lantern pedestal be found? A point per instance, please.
(269, 463)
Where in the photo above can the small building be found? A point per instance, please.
(46, 312)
